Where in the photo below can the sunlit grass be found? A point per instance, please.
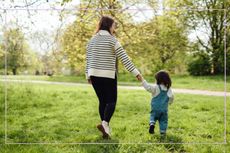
(58, 113)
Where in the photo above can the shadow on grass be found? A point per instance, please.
(102, 146)
(172, 143)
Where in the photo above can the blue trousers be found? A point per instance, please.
(162, 117)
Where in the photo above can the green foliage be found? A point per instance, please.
(162, 42)
(16, 48)
(200, 65)
(65, 1)
(159, 43)
(2, 57)
(74, 42)
(212, 24)
(77, 35)
(1, 51)
(150, 45)
(166, 51)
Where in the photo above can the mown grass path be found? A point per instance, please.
(184, 91)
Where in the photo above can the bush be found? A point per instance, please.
(201, 65)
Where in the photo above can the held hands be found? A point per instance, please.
(89, 81)
(139, 77)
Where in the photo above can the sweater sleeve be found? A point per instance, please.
(148, 87)
(171, 96)
(87, 62)
(121, 54)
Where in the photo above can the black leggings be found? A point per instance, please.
(106, 90)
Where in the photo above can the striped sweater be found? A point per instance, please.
(101, 53)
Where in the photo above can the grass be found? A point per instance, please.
(213, 83)
(58, 113)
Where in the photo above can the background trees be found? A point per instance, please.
(209, 21)
(16, 49)
(180, 40)
(151, 44)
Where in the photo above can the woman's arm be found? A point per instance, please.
(87, 64)
(121, 54)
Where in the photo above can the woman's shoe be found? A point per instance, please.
(102, 129)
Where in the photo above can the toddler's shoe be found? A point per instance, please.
(151, 128)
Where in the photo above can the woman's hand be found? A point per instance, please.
(89, 81)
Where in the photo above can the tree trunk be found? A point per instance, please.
(14, 70)
(217, 68)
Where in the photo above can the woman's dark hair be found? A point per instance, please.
(105, 23)
(163, 77)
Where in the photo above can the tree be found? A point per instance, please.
(211, 21)
(151, 45)
(170, 42)
(16, 48)
(2, 57)
(157, 47)
(76, 35)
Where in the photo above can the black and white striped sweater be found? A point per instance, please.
(102, 51)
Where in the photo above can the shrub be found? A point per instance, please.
(201, 65)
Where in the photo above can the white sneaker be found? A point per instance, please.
(106, 127)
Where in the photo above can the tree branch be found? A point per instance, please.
(27, 5)
(202, 43)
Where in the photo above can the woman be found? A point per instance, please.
(101, 69)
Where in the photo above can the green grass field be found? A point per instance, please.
(69, 114)
(213, 83)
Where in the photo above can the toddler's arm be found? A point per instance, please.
(148, 87)
(171, 96)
